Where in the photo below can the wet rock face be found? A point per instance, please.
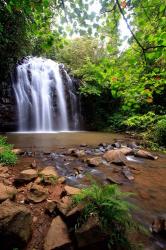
(15, 225)
(7, 107)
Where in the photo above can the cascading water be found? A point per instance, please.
(45, 101)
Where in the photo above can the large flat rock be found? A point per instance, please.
(57, 236)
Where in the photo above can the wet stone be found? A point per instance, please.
(127, 173)
(115, 156)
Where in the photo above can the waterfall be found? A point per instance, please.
(46, 100)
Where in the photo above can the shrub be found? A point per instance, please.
(6, 155)
(141, 122)
(116, 122)
(160, 132)
(109, 205)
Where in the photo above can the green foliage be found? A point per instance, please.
(116, 122)
(141, 122)
(113, 211)
(6, 155)
(160, 132)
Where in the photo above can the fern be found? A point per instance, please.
(114, 212)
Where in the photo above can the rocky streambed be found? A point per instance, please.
(36, 209)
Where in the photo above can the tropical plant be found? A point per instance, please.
(6, 155)
(109, 205)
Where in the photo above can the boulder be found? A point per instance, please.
(57, 236)
(145, 154)
(71, 190)
(37, 193)
(126, 151)
(115, 156)
(15, 225)
(94, 161)
(111, 180)
(7, 192)
(90, 236)
(49, 175)
(26, 176)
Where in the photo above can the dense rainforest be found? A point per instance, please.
(123, 86)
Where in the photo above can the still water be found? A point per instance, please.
(52, 140)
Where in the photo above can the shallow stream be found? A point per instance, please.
(149, 185)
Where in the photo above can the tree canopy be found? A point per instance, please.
(85, 35)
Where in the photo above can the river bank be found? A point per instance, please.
(73, 165)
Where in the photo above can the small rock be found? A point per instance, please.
(49, 175)
(159, 225)
(61, 180)
(34, 219)
(34, 164)
(57, 236)
(72, 190)
(116, 145)
(46, 152)
(83, 145)
(102, 144)
(7, 192)
(127, 173)
(26, 176)
(132, 145)
(94, 162)
(37, 193)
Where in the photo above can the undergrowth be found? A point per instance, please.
(7, 157)
(109, 205)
